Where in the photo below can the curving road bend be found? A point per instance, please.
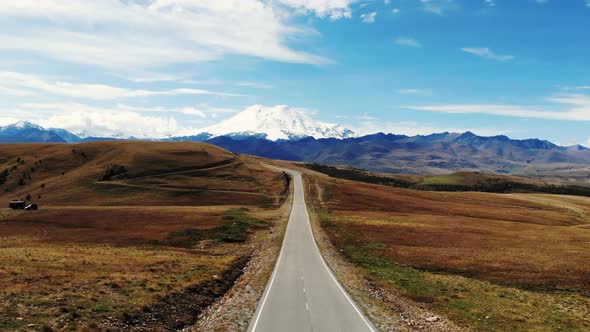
(303, 294)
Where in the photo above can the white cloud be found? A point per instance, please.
(485, 52)
(404, 41)
(202, 110)
(490, 3)
(334, 9)
(14, 92)
(369, 17)
(256, 85)
(411, 91)
(395, 10)
(138, 34)
(574, 88)
(147, 77)
(117, 124)
(20, 84)
(574, 107)
(118, 121)
(194, 111)
(439, 7)
(5, 121)
(366, 117)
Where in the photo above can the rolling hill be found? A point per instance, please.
(125, 228)
(133, 173)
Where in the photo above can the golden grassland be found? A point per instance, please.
(103, 249)
(491, 262)
(154, 174)
(71, 269)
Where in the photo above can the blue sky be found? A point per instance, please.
(169, 67)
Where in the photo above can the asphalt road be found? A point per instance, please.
(303, 294)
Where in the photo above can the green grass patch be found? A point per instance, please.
(235, 230)
(480, 305)
(447, 179)
(324, 217)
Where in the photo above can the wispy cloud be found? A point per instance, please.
(405, 41)
(411, 91)
(19, 84)
(119, 120)
(487, 53)
(439, 7)
(139, 34)
(333, 9)
(490, 3)
(369, 17)
(571, 107)
(366, 117)
(256, 85)
(101, 121)
(574, 88)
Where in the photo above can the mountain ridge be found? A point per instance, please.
(436, 153)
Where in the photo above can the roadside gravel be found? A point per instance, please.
(234, 311)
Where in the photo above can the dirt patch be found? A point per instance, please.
(178, 310)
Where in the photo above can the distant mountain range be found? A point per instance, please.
(294, 136)
(27, 132)
(432, 154)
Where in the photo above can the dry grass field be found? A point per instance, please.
(147, 248)
(491, 262)
(134, 173)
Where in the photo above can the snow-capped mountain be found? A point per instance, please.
(24, 131)
(21, 125)
(274, 123)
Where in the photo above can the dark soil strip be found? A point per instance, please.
(179, 310)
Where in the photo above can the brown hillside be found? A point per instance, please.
(134, 173)
(125, 228)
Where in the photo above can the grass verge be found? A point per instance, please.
(480, 305)
(234, 230)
